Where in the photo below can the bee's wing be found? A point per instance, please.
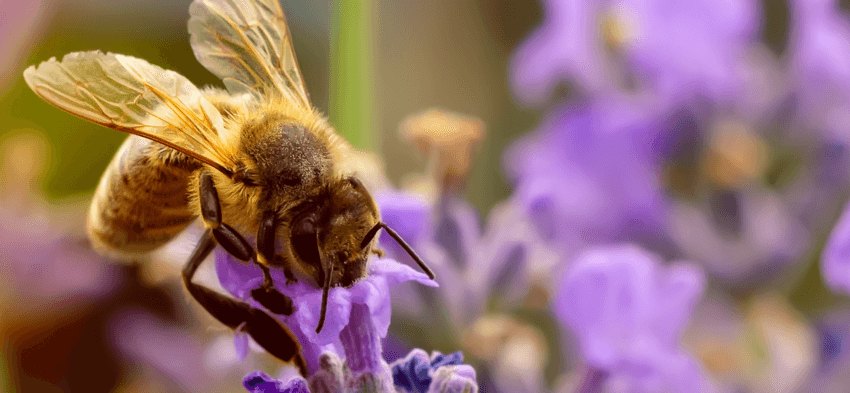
(134, 96)
(247, 44)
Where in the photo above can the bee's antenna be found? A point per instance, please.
(329, 271)
(400, 242)
(370, 235)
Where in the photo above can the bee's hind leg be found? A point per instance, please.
(263, 328)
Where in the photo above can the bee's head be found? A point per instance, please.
(328, 232)
(334, 234)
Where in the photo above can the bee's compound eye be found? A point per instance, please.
(342, 256)
(306, 225)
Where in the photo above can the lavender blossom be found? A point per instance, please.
(415, 373)
(627, 312)
(483, 272)
(819, 46)
(832, 373)
(740, 236)
(835, 259)
(817, 52)
(677, 49)
(605, 152)
(366, 303)
(52, 271)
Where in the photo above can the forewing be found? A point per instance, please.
(134, 96)
(247, 44)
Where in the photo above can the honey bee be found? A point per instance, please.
(256, 158)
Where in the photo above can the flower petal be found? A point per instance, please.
(835, 260)
(240, 341)
(259, 382)
(396, 273)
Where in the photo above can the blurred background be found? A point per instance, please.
(525, 147)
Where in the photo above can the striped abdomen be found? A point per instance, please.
(142, 200)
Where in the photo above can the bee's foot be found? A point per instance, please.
(290, 277)
(273, 300)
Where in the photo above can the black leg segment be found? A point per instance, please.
(233, 242)
(210, 207)
(262, 327)
(266, 294)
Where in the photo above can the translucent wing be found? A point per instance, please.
(134, 96)
(247, 44)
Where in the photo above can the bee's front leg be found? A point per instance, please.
(236, 245)
(266, 294)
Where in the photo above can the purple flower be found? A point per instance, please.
(366, 303)
(818, 48)
(259, 382)
(627, 312)
(832, 373)
(50, 270)
(484, 273)
(170, 350)
(473, 264)
(739, 236)
(604, 152)
(673, 48)
(415, 373)
(835, 258)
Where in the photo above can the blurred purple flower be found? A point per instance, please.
(832, 373)
(818, 49)
(835, 258)
(366, 303)
(627, 312)
(590, 174)
(472, 265)
(170, 350)
(52, 271)
(678, 49)
(739, 236)
(484, 273)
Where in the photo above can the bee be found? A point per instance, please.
(256, 158)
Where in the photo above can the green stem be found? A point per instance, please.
(352, 103)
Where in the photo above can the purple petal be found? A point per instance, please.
(361, 342)
(259, 382)
(413, 372)
(236, 277)
(396, 273)
(339, 310)
(618, 297)
(170, 350)
(682, 285)
(835, 259)
(240, 341)
(406, 213)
